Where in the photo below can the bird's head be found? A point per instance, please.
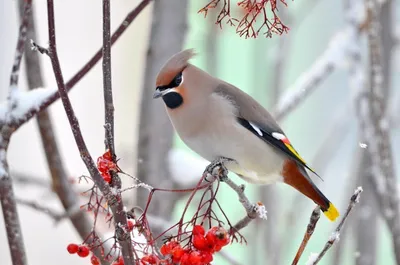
(170, 83)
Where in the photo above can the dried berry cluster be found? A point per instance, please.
(252, 12)
(105, 164)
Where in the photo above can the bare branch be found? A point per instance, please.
(115, 204)
(335, 235)
(57, 217)
(87, 67)
(253, 210)
(19, 51)
(60, 181)
(107, 82)
(7, 197)
(375, 130)
(309, 232)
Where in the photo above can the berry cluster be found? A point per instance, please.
(105, 164)
(200, 252)
(81, 250)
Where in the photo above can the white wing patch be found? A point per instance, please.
(278, 136)
(256, 129)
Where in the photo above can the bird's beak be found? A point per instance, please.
(159, 93)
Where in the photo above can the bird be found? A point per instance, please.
(220, 122)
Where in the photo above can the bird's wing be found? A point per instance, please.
(257, 119)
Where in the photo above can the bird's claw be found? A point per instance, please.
(217, 169)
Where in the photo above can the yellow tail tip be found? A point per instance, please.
(332, 213)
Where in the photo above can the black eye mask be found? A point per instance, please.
(176, 81)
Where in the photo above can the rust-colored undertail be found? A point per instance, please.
(297, 177)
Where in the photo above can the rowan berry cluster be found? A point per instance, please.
(199, 252)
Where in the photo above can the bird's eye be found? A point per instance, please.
(178, 79)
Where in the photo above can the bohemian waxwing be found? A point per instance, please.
(218, 120)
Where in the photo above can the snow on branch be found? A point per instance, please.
(41, 100)
(20, 103)
(339, 50)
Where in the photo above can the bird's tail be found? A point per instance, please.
(297, 177)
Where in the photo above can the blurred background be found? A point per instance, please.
(318, 56)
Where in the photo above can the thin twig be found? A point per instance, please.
(107, 81)
(115, 204)
(315, 215)
(19, 51)
(335, 235)
(253, 210)
(57, 217)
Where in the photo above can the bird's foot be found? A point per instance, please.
(217, 169)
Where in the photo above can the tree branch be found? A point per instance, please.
(375, 130)
(335, 235)
(107, 81)
(7, 197)
(316, 214)
(86, 68)
(60, 182)
(115, 204)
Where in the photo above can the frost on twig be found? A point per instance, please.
(335, 235)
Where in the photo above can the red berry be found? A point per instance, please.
(185, 259)
(168, 247)
(165, 250)
(72, 248)
(150, 259)
(177, 253)
(198, 230)
(83, 251)
(107, 177)
(199, 242)
(195, 258)
(107, 155)
(211, 238)
(130, 225)
(94, 260)
(206, 257)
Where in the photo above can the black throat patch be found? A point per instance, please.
(173, 100)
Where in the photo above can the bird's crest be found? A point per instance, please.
(173, 66)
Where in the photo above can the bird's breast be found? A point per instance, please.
(213, 132)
